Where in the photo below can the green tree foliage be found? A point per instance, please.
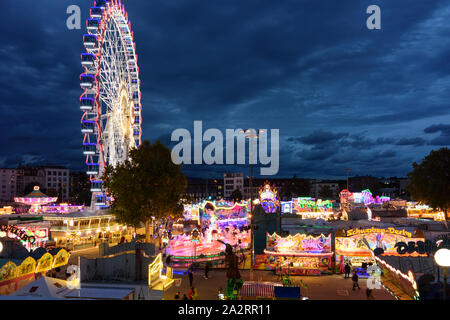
(296, 188)
(430, 180)
(236, 195)
(148, 185)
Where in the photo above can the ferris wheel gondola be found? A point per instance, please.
(111, 98)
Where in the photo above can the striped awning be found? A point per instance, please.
(258, 289)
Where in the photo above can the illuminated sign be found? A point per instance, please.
(421, 247)
(286, 207)
(390, 230)
(19, 232)
(368, 241)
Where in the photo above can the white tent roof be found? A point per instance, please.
(44, 288)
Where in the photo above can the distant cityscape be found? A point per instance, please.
(73, 186)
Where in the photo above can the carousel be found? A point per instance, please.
(35, 199)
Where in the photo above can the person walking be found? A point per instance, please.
(191, 277)
(347, 270)
(355, 281)
(192, 295)
(206, 270)
(369, 294)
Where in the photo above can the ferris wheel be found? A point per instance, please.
(111, 98)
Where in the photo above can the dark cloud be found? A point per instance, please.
(411, 142)
(340, 94)
(319, 137)
(444, 138)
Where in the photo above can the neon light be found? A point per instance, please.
(268, 198)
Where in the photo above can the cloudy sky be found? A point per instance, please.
(341, 95)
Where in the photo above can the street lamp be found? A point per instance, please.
(251, 135)
(442, 258)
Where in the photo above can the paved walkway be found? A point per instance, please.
(327, 287)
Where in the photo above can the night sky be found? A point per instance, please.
(342, 96)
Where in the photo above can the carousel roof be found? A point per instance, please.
(36, 193)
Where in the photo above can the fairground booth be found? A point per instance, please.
(300, 254)
(18, 267)
(364, 197)
(423, 211)
(355, 246)
(220, 222)
(309, 208)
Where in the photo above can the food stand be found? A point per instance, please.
(300, 254)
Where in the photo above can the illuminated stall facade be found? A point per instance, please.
(15, 274)
(80, 229)
(300, 254)
(309, 208)
(356, 246)
(422, 211)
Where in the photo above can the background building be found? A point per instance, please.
(199, 189)
(232, 181)
(17, 182)
(8, 185)
(325, 189)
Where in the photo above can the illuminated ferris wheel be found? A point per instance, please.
(111, 98)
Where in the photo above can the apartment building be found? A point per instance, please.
(231, 182)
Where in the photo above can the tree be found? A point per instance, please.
(296, 188)
(325, 192)
(430, 180)
(148, 185)
(236, 195)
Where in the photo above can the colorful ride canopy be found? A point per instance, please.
(364, 197)
(223, 210)
(268, 198)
